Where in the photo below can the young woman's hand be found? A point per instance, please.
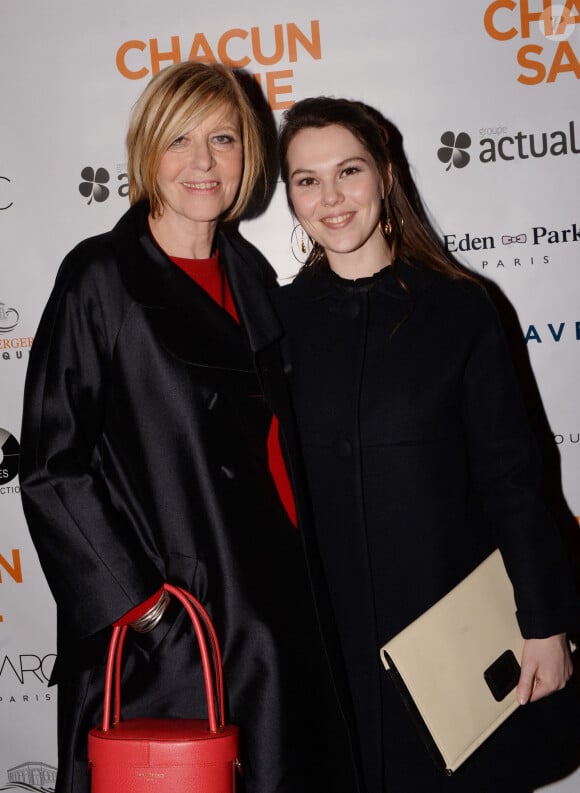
(546, 667)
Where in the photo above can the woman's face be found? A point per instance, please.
(337, 194)
(200, 173)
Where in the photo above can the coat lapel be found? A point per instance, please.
(250, 278)
(187, 321)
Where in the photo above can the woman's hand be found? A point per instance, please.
(546, 667)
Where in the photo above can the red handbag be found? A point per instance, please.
(166, 755)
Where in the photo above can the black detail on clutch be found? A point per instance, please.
(503, 675)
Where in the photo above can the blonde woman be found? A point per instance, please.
(144, 451)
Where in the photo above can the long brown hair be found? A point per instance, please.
(412, 238)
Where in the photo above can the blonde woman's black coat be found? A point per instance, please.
(420, 461)
(143, 460)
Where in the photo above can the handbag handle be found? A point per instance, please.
(211, 666)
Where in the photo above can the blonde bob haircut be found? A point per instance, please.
(177, 98)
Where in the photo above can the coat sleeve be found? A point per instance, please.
(94, 563)
(505, 468)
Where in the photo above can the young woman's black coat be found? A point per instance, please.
(419, 462)
(143, 460)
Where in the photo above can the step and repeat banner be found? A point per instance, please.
(485, 96)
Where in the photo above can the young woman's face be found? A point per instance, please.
(200, 173)
(337, 193)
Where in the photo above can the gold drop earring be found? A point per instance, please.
(387, 225)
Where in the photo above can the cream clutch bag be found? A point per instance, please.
(457, 665)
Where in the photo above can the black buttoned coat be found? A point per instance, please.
(420, 462)
(144, 460)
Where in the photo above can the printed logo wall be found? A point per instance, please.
(488, 112)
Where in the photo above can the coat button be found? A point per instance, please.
(212, 401)
(351, 308)
(342, 448)
(227, 472)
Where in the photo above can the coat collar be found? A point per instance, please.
(189, 322)
(323, 283)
